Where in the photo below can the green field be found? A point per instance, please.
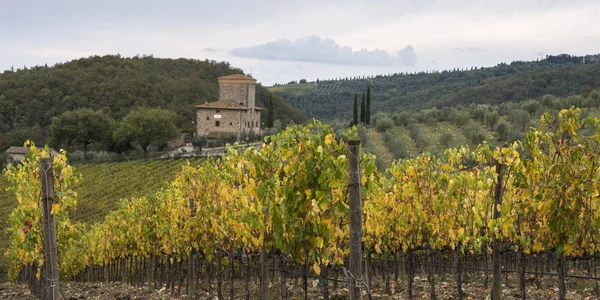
(100, 189)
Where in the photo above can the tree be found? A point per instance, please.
(402, 119)
(368, 107)
(145, 126)
(383, 122)
(362, 108)
(595, 96)
(479, 113)
(355, 114)
(445, 139)
(270, 112)
(519, 117)
(532, 106)
(491, 118)
(461, 117)
(81, 127)
(502, 131)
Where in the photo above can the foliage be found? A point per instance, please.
(383, 123)
(26, 221)
(29, 99)
(99, 188)
(81, 127)
(199, 140)
(291, 195)
(143, 127)
(515, 82)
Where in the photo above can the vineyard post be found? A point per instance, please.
(192, 260)
(354, 187)
(51, 287)
(496, 265)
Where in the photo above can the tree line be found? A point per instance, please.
(31, 97)
(516, 82)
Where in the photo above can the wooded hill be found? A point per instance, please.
(516, 82)
(30, 97)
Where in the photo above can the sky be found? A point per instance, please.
(280, 41)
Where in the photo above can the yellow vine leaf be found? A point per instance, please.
(317, 268)
(55, 209)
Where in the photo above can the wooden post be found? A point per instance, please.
(51, 286)
(264, 273)
(192, 259)
(496, 265)
(561, 276)
(354, 187)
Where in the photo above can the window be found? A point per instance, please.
(208, 118)
(217, 123)
(230, 123)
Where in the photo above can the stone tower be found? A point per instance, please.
(235, 112)
(238, 89)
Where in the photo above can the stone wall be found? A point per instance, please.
(251, 121)
(236, 93)
(229, 122)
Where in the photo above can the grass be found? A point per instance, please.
(101, 187)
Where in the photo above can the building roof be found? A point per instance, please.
(224, 105)
(24, 150)
(236, 77)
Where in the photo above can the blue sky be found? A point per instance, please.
(281, 41)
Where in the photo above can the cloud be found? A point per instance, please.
(315, 49)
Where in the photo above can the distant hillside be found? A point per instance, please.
(561, 76)
(29, 98)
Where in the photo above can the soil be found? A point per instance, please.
(445, 290)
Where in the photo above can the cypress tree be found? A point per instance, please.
(271, 112)
(362, 108)
(355, 119)
(368, 107)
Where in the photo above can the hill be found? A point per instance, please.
(100, 188)
(516, 82)
(29, 98)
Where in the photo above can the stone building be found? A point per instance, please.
(235, 112)
(17, 154)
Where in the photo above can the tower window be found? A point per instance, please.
(217, 123)
(208, 118)
(230, 123)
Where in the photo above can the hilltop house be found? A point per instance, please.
(235, 111)
(18, 153)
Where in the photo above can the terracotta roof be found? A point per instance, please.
(236, 77)
(224, 105)
(24, 150)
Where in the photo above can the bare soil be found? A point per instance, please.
(577, 290)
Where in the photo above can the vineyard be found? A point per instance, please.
(100, 187)
(528, 211)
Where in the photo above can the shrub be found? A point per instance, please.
(199, 141)
(417, 135)
(228, 138)
(383, 123)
